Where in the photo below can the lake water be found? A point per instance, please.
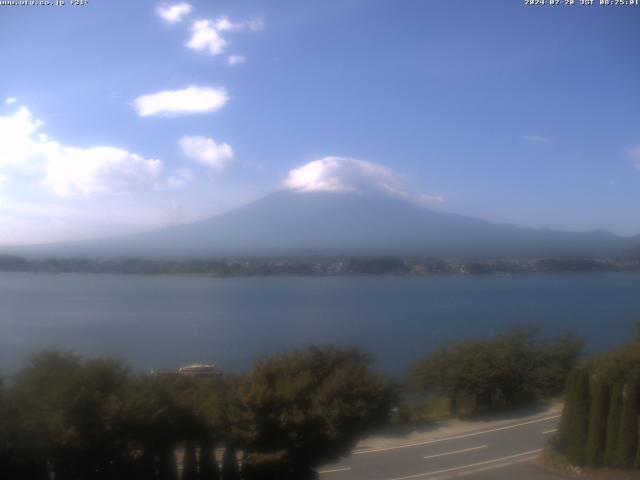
(168, 321)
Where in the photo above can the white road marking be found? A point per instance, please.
(553, 430)
(485, 468)
(455, 437)
(471, 465)
(456, 451)
(334, 470)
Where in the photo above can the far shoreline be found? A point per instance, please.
(322, 275)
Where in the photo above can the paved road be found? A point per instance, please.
(504, 452)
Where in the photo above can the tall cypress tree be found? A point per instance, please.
(579, 420)
(613, 424)
(567, 411)
(598, 423)
(628, 436)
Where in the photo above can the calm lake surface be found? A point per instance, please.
(168, 321)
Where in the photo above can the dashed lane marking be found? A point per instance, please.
(471, 465)
(485, 468)
(457, 451)
(455, 437)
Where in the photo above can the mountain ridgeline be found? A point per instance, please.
(319, 223)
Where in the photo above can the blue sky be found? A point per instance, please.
(119, 116)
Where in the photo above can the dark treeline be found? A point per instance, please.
(320, 266)
(67, 418)
(71, 419)
(600, 424)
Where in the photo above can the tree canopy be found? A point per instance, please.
(79, 419)
(499, 371)
(309, 407)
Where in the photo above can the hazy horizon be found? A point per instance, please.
(280, 191)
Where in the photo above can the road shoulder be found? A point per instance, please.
(398, 438)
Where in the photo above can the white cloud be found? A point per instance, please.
(206, 151)
(236, 59)
(99, 170)
(339, 174)
(10, 100)
(224, 24)
(192, 99)
(206, 35)
(69, 170)
(17, 143)
(532, 138)
(174, 13)
(57, 191)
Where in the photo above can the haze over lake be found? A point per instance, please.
(168, 321)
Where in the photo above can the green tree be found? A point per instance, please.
(155, 424)
(8, 455)
(613, 424)
(555, 358)
(310, 406)
(469, 369)
(567, 411)
(208, 465)
(502, 371)
(5, 449)
(440, 373)
(598, 423)
(620, 365)
(189, 462)
(68, 412)
(579, 420)
(201, 401)
(628, 432)
(266, 466)
(230, 470)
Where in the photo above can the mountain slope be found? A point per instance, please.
(294, 223)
